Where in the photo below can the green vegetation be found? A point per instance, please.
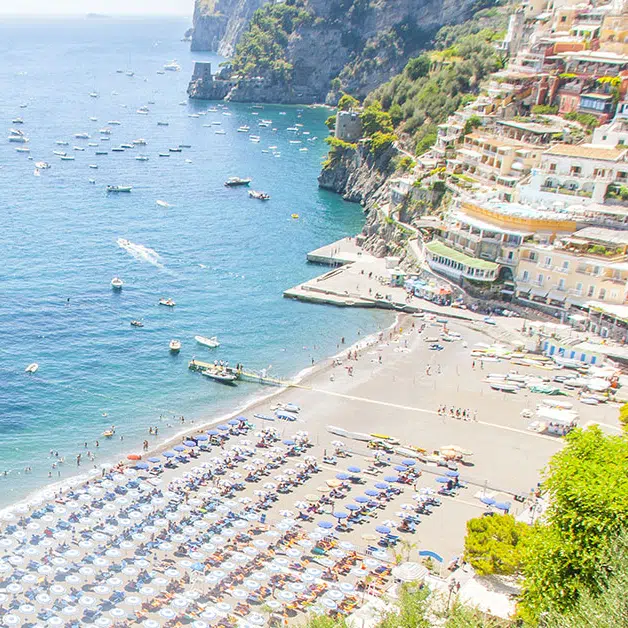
(346, 102)
(545, 109)
(336, 148)
(472, 123)
(419, 104)
(375, 120)
(405, 163)
(330, 123)
(493, 544)
(623, 416)
(617, 192)
(262, 48)
(587, 120)
(587, 485)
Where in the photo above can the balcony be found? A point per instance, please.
(582, 193)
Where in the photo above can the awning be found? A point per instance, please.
(557, 295)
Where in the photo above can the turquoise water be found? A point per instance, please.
(224, 258)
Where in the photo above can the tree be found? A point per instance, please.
(375, 120)
(493, 544)
(587, 487)
(473, 122)
(330, 123)
(418, 67)
(347, 102)
(623, 416)
(410, 610)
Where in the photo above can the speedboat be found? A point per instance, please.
(141, 158)
(164, 154)
(244, 129)
(19, 138)
(23, 150)
(114, 122)
(185, 145)
(42, 165)
(101, 152)
(67, 158)
(105, 131)
(262, 196)
(162, 203)
(127, 145)
(173, 66)
(222, 377)
(143, 110)
(17, 121)
(119, 188)
(79, 148)
(93, 94)
(31, 368)
(212, 342)
(163, 123)
(235, 181)
(117, 283)
(175, 346)
(137, 324)
(140, 142)
(58, 153)
(220, 132)
(175, 150)
(167, 302)
(81, 136)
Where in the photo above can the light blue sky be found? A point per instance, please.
(109, 7)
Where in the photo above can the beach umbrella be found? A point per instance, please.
(362, 500)
(382, 529)
(342, 476)
(442, 479)
(256, 619)
(209, 614)
(223, 607)
(371, 493)
(223, 428)
(213, 433)
(408, 462)
(103, 622)
(400, 468)
(234, 421)
(166, 454)
(329, 603)
(325, 525)
(239, 594)
(289, 442)
(200, 624)
(489, 501)
(202, 438)
(452, 474)
(286, 596)
(352, 507)
(300, 505)
(141, 465)
(189, 443)
(382, 485)
(335, 594)
(340, 515)
(505, 506)
(354, 469)
(179, 448)
(346, 587)
(391, 478)
(151, 623)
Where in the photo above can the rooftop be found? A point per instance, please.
(500, 142)
(438, 248)
(600, 234)
(586, 151)
(531, 127)
(594, 56)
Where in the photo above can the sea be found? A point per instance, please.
(223, 257)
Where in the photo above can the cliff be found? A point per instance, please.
(219, 24)
(310, 50)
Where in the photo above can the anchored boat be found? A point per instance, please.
(212, 342)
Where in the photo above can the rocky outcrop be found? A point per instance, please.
(219, 24)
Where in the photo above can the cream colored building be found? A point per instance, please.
(590, 265)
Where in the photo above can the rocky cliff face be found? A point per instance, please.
(348, 45)
(218, 24)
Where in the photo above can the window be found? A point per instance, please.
(525, 276)
(533, 256)
(548, 262)
(591, 291)
(552, 167)
(614, 294)
(602, 294)
(621, 142)
(510, 255)
(561, 284)
(579, 288)
(540, 279)
(565, 265)
(575, 170)
(596, 270)
(563, 18)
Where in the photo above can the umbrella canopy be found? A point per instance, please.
(400, 468)
(382, 485)
(382, 529)
(179, 448)
(408, 462)
(233, 422)
(363, 500)
(189, 443)
(503, 506)
(213, 433)
(289, 442)
(168, 454)
(371, 493)
(340, 515)
(443, 479)
(409, 572)
(391, 478)
(141, 465)
(352, 507)
(489, 501)
(452, 474)
(325, 525)
(223, 428)
(354, 469)
(153, 459)
(342, 476)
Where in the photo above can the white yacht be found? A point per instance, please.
(175, 346)
(212, 342)
(31, 368)
(117, 283)
(173, 66)
(141, 158)
(81, 136)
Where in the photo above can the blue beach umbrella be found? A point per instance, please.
(352, 507)
(363, 500)
(400, 468)
(442, 479)
(202, 437)
(489, 501)
(169, 454)
(408, 462)
(326, 525)
(179, 448)
(381, 485)
(189, 443)
(224, 428)
(342, 476)
(242, 418)
(213, 432)
(288, 442)
(391, 478)
(354, 469)
(154, 459)
(452, 474)
(340, 515)
(382, 529)
(371, 493)
(141, 465)
(233, 422)
(505, 506)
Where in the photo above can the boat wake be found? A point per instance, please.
(141, 253)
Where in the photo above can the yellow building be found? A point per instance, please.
(590, 265)
(614, 34)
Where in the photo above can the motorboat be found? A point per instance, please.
(17, 121)
(93, 119)
(67, 158)
(244, 129)
(162, 203)
(127, 145)
(114, 122)
(504, 386)
(93, 94)
(92, 144)
(141, 158)
(164, 154)
(78, 148)
(31, 368)
(143, 111)
(61, 143)
(167, 302)
(119, 188)
(220, 132)
(261, 196)
(81, 136)
(105, 131)
(117, 149)
(176, 149)
(58, 153)
(137, 324)
(42, 165)
(185, 145)
(175, 346)
(19, 138)
(139, 141)
(163, 123)
(221, 376)
(101, 152)
(23, 150)
(117, 283)
(173, 66)
(212, 342)
(236, 181)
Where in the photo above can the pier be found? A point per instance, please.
(242, 375)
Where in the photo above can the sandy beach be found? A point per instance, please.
(392, 384)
